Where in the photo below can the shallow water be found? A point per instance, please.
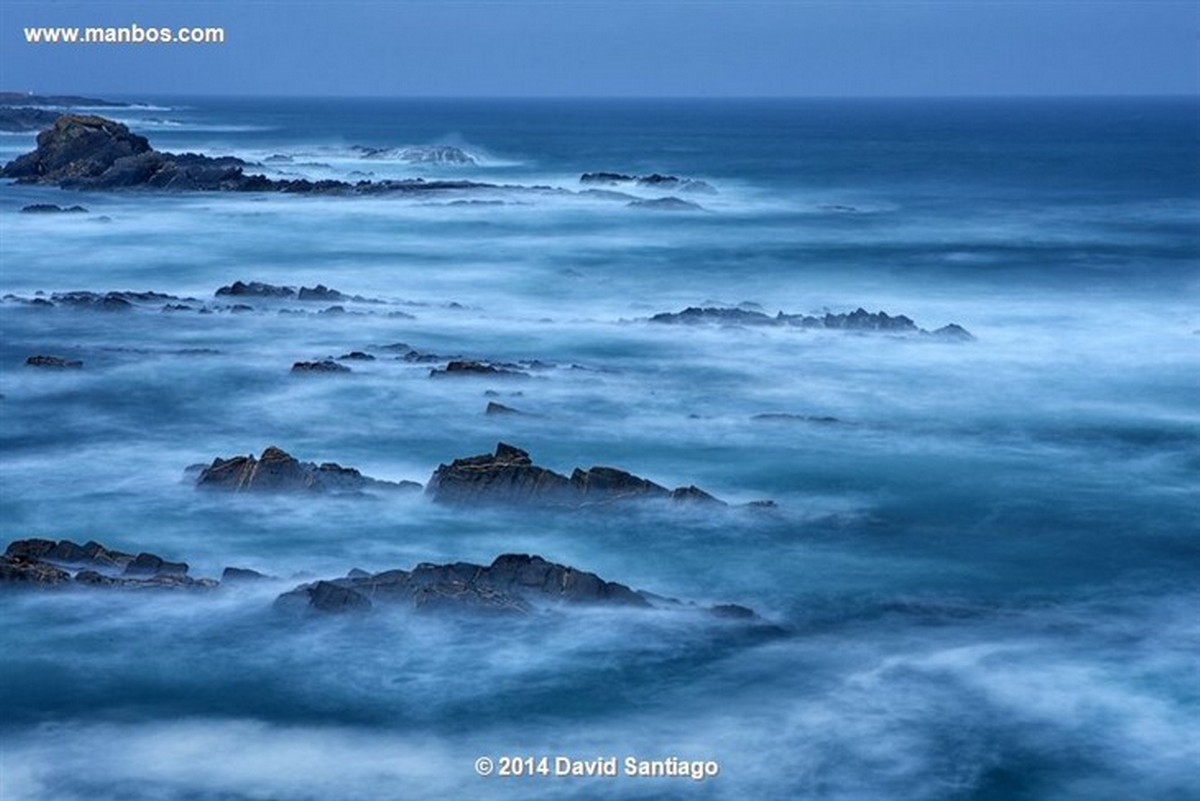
(985, 570)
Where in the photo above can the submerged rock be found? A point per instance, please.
(494, 409)
(255, 289)
(665, 204)
(54, 362)
(51, 208)
(655, 180)
(509, 476)
(474, 368)
(278, 471)
(325, 366)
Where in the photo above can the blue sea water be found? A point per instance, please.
(986, 572)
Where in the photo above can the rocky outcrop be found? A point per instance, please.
(52, 208)
(656, 181)
(328, 366)
(478, 369)
(509, 476)
(513, 584)
(59, 563)
(91, 152)
(418, 154)
(319, 293)
(278, 471)
(858, 320)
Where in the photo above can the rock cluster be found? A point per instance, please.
(858, 320)
(278, 471)
(49, 563)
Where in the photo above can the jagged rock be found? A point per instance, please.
(513, 584)
(694, 315)
(325, 366)
(111, 301)
(858, 320)
(51, 208)
(665, 204)
(320, 292)
(657, 181)
(54, 362)
(43, 561)
(509, 476)
(277, 471)
(256, 289)
(473, 368)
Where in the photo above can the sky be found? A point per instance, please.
(616, 48)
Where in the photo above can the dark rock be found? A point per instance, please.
(51, 208)
(240, 308)
(473, 368)
(256, 289)
(494, 408)
(321, 292)
(24, 570)
(90, 152)
(606, 178)
(665, 204)
(356, 356)
(694, 315)
(325, 366)
(54, 362)
(102, 566)
(333, 310)
(510, 477)
(277, 471)
(147, 564)
(233, 575)
(111, 301)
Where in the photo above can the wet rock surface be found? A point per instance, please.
(513, 584)
(276, 471)
(509, 476)
(51, 563)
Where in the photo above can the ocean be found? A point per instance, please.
(983, 570)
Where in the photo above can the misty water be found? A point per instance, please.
(983, 572)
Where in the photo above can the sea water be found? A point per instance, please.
(983, 571)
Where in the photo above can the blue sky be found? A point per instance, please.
(618, 48)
